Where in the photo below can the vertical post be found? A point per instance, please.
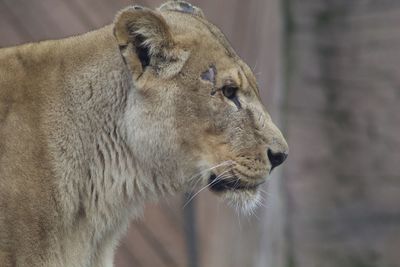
(274, 243)
(189, 214)
(343, 125)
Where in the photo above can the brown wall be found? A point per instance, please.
(343, 179)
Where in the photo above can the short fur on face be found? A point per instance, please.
(93, 126)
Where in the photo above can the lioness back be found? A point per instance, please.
(93, 126)
(26, 200)
(32, 80)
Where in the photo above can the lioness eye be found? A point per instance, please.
(229, 91)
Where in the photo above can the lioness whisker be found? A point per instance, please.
(267, 194)
(224, 163)
(193, 196)
(262, 198)
(209, 169)
(237, 181)
(237, 215)
(218, 178)
(262, 204)
(255, 66)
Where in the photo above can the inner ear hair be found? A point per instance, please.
(142, 51)
(146, 30)
(144, 39)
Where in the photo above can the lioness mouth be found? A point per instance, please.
(231, 183)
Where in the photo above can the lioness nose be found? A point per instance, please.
(276, 158)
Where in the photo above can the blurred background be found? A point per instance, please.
(329, 72)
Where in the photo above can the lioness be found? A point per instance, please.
(93, 126)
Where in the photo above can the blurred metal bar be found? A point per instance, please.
(191, 230)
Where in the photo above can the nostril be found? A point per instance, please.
(276, 158)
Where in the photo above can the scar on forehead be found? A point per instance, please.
(210, 75)
(186, 7)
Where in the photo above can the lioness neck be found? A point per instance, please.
(100, 181)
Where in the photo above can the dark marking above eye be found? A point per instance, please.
(210, 75)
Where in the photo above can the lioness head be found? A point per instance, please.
(194, 116)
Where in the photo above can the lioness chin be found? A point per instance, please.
(93, 126)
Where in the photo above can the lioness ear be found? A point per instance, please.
(145, 40)
(181, 6)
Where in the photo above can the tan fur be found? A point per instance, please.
(88, 134)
